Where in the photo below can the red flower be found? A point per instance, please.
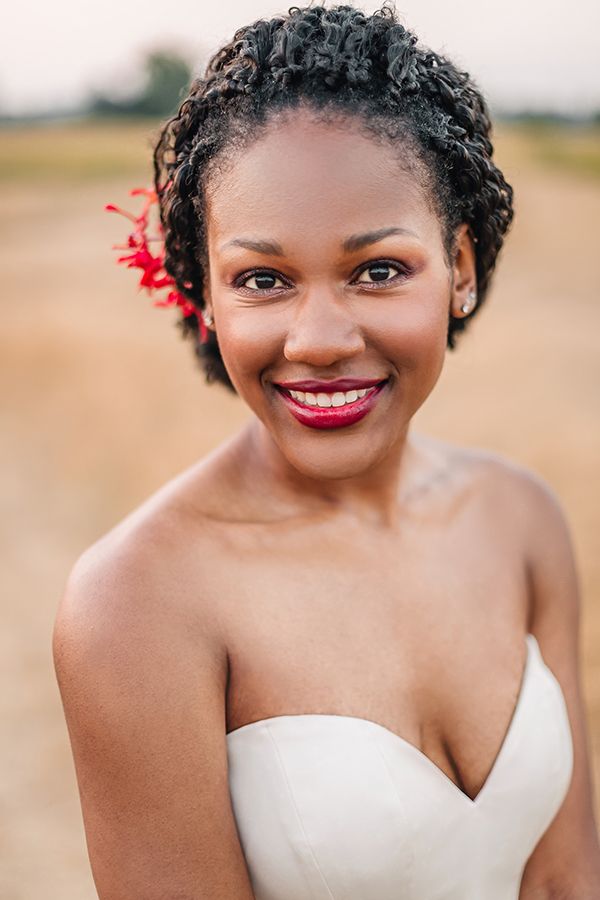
(154, 277)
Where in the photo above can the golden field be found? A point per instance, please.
(102, 402)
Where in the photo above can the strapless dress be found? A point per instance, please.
(335, 807)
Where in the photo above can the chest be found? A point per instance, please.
(405, 633)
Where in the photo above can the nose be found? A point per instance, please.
(322, 330)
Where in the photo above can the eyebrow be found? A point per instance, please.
(358, 241)
(350, 245)
(269, 248)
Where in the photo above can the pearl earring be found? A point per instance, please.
(208, 319)
(469, 302)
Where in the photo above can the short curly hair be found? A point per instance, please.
(342, 60)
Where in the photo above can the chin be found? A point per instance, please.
(333, 457)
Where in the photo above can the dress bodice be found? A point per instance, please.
(334, 807)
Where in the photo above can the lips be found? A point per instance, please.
(329, 387)
(334, 416)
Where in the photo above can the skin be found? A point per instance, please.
(354, 549)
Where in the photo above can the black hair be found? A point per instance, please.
(342, 60)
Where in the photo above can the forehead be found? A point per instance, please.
(301, 172)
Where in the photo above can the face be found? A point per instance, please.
(326, 262)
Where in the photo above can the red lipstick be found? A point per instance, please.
(331, 416)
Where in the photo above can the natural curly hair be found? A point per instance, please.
(336, 59)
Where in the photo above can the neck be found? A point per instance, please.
(372, 496)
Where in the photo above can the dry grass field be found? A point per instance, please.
(102, 402)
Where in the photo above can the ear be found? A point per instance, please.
(206, 296)
(463, 285)
(208, 318)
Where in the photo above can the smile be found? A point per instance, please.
(331, 409)
(325, 401)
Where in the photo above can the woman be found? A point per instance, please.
(334, 658)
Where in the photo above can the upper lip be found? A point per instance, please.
(337, 384)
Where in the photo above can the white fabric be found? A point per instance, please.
(332, 807)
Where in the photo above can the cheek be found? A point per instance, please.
(249, 341)
(415, 327)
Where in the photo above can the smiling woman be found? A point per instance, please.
(349, 282)
(334, 658)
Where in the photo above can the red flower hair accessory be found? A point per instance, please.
(154, 277)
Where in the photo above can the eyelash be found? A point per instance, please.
(403, 272)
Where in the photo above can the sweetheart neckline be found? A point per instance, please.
(412, 748)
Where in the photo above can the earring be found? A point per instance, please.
(208, 319)
(469, 302)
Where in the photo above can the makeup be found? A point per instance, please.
(345, 409)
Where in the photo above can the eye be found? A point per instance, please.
(379, 273)
(263, 281)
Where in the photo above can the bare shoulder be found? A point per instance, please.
(139, 600)
(142, 669)
(477, 468)
(528, 504)
(155, 559)
(533, 509)
(139, 571)
(151, 579)
(533, 494)
(517, 502)
(531, 498)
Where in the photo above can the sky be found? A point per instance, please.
(538, 54)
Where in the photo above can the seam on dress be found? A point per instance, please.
(546, 706)
(564, 738)
(558, 714)
(411, 863)
(289, 787)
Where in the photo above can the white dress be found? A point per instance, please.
(333, 807)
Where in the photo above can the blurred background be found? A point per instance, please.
(101, 400)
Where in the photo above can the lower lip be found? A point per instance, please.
(332, 416)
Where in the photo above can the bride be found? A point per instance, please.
(334, 658)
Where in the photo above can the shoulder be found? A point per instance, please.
(530, 504)
(155, 575)
(517, 501)
(137, 627)
(533, 502)
(494, 467)
(521, 503)
(146, 582)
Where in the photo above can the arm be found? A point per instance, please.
(143, 690)
(565, 864)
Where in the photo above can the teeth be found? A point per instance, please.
(323, 400)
